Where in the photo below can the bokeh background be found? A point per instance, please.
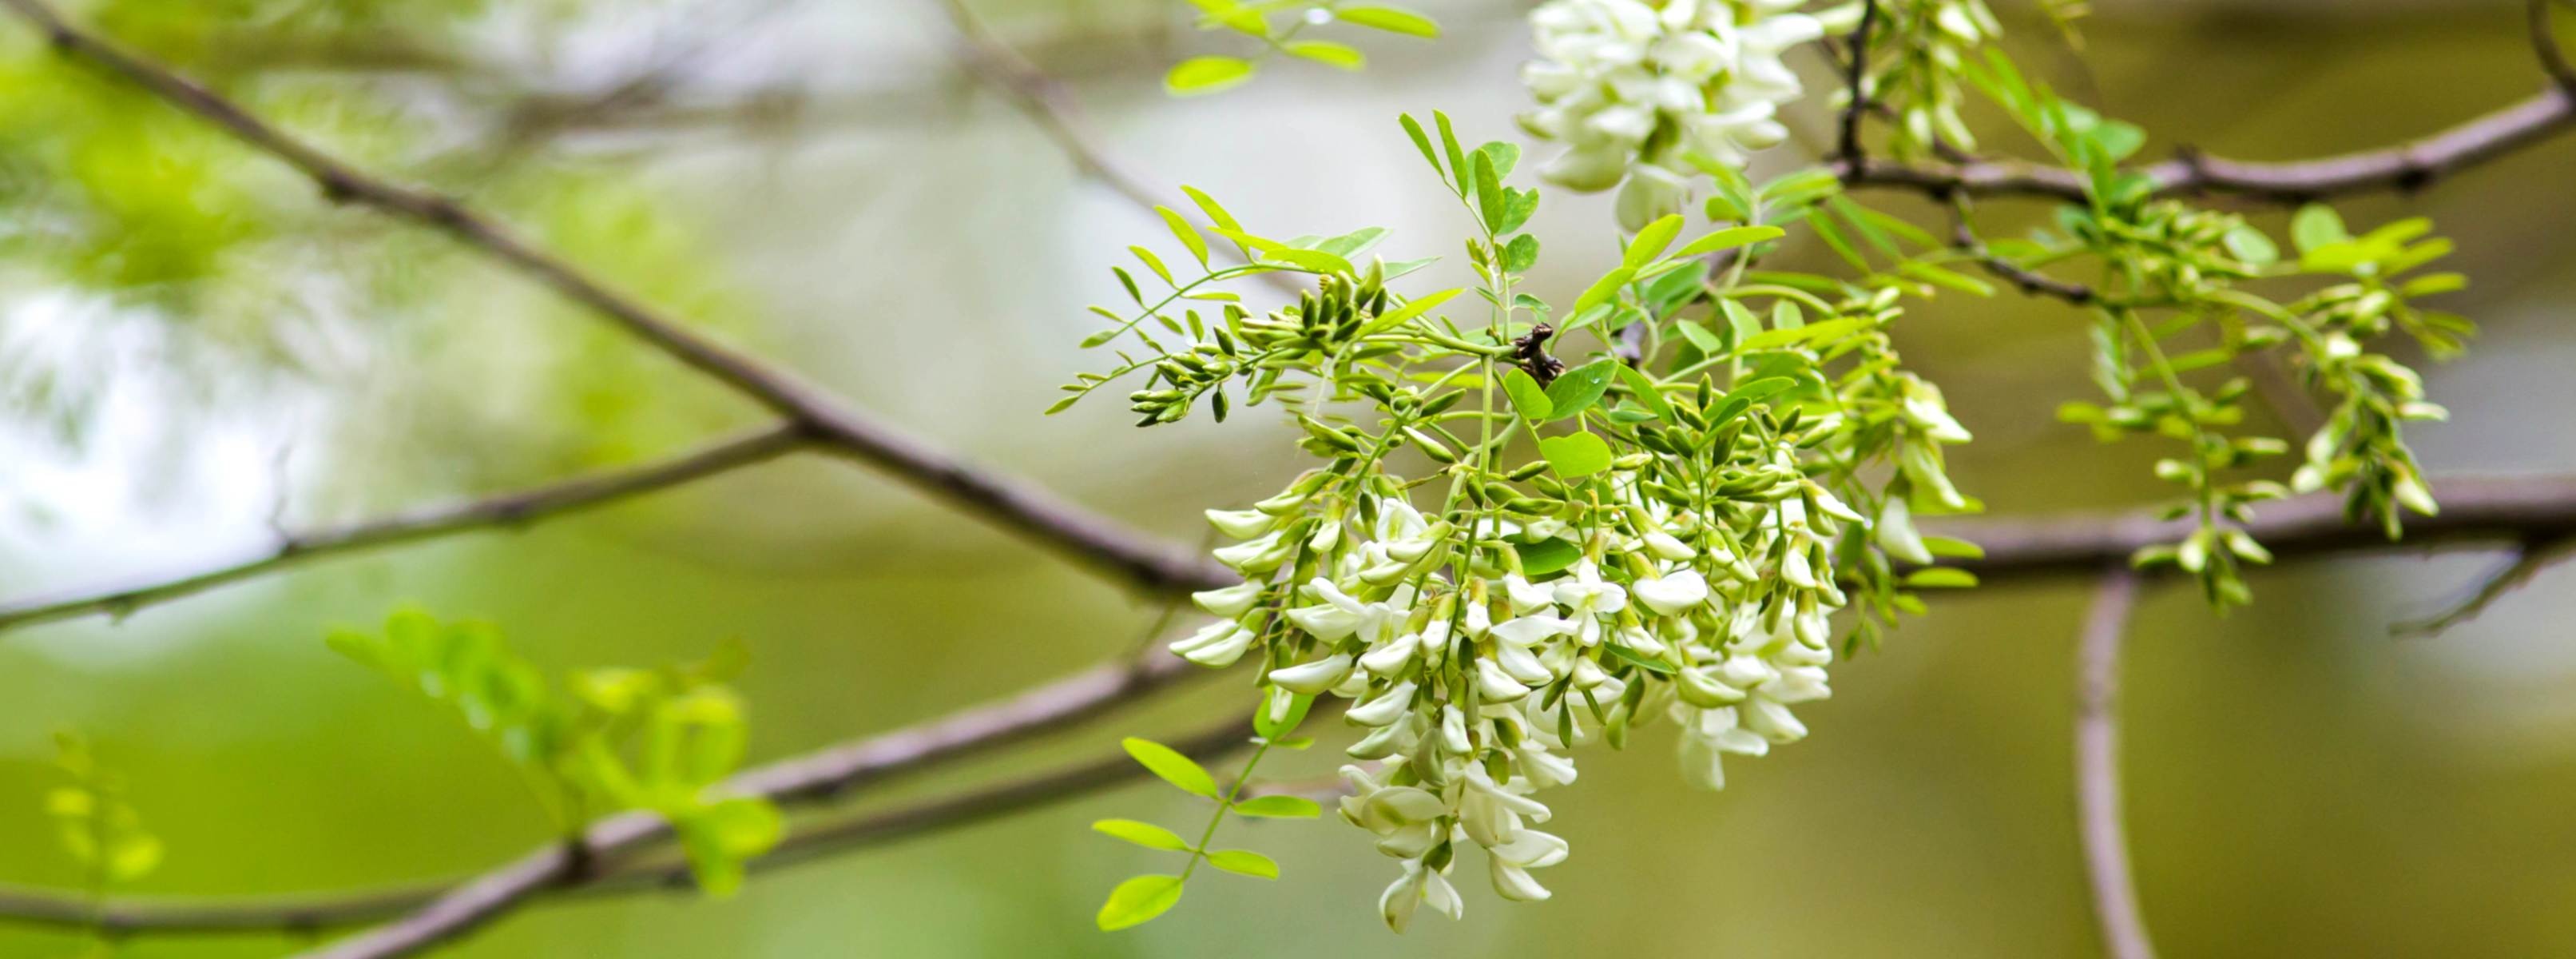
(194, 347)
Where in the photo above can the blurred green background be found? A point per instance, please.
(193, 346)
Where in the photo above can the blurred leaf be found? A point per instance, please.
(1138, 900)
(1173, 767)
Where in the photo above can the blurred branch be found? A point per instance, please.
(444, 911)
(2409, 166)
(555, 868)
(2528, 560)
(2544, 43)
(1090, 539)
(2474, 509)
(2097, 769)
(1963, 237)
(1848, 148)
(1051, 106)
(507, 510)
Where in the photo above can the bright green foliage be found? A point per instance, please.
(1141, 898)
(1276, 25)
(1684, 428)
(662, 740)
(99, 827)
(2170, 305)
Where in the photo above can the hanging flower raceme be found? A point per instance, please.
(1503, 559)
(1473, 673)
(1632, 89)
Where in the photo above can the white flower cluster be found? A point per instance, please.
(1473, 692)
(1632, 88)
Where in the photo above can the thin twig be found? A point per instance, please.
(2526, 561)
(2481, 510)
(2407, 166)
(815, 777)
(1090, 539)
(1963, 237)
(2474, 510)
(503, 511)
(1046, 101)
(1848, 148)
(2544, 44)
(2097, 769)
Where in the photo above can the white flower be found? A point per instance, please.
(1587, 597)
(1388, 707)
(1668, 547)
(1707, 736)
(1530, 630)
(1672, 593)
(1241, 524)
(1630, 89)
(1229, 602)
(1495, 685)
(1215, 645)
(1312, 678)
(1512, 861)
(1253, 557)
(1418, 885)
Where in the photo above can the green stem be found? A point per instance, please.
(1224, 805)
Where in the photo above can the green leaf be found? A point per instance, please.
(1575, 455)
(1729, 238)
(1389, 19)
(1187, 234)
(1651, 241)
(1520, 254)
(1505, 157)
(1489, 191)
(2250, 245)
(1201, 75)
(1762, 389)
(1644, 387)
(1411, 308)
(1577, 389)
(1449, 147)
(1809, 333)
(1208, 205)
(1941, 577)
(1527, 397)
(1266, 728)
(1164, 761)
(2317, 226)
(1422, 142)
(1143, 834)
(1138, 901)
(1546, 556)
(1941, 277)
(1279, 807)
(1244, 862)
(1327, 53)
(1316, 260)
(1604, 288)
(1957, 548)
(1699, 336)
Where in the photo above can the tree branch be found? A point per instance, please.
(1045, 101)
(501, 511)
(2544, 44)
(2474, 509)
(1092, 540)
(814, 777)
(555, 868)
(2097, 769)
(1848, 148)
(2408, 166)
